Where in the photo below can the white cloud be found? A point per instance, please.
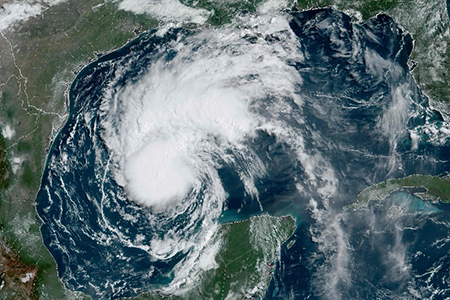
(169, 10)
(176, 120)
(13, 13)
(17, 12)
(8, 132)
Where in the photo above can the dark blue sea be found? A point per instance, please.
(293, 113)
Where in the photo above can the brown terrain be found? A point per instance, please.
(16, 278)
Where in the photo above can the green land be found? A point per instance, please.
(247, 259)
(39, 60)
(437, 189)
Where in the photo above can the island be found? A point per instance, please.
(425, 187)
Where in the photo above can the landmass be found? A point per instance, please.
(41, 55)
(17, 278)
(431, 188)
(246, 260)
(38, 62)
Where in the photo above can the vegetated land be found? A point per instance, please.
(438, 189)
(5, 171)
(39, 59)
(246, 260)
(247, 257)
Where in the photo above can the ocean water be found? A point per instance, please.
(281, 113)
(448, 8)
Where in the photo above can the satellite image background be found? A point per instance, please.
(337, 143)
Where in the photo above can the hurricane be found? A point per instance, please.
(280, 113)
